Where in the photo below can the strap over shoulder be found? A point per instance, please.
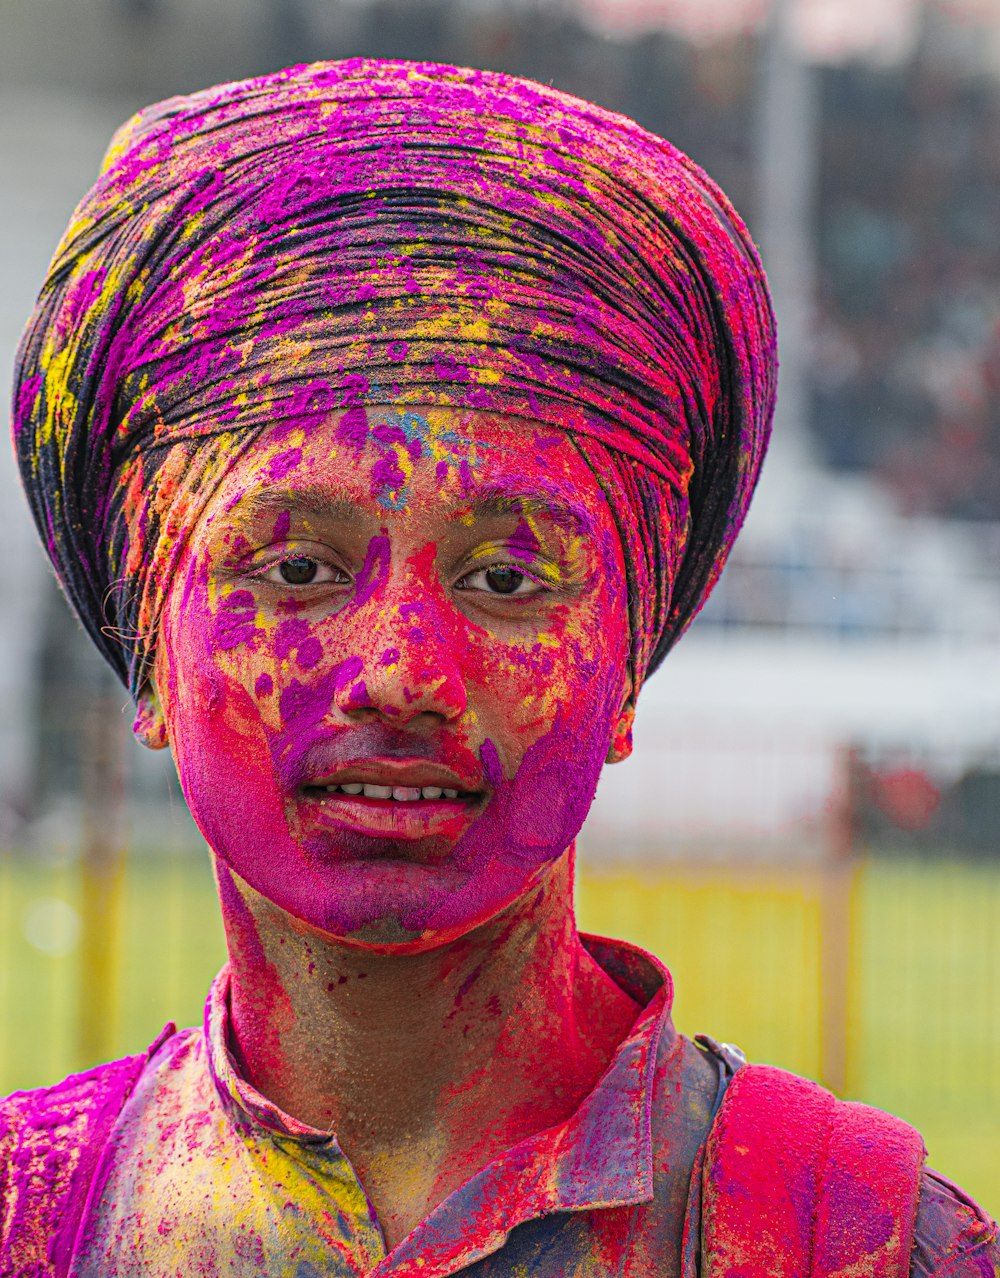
(51, 1142)
(799, 1184)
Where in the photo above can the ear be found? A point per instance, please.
(621, 738)
(150, 726)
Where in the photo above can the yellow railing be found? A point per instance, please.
(884, 977)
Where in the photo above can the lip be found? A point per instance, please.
(407, 773)
(406, 821)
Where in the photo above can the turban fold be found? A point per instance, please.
(363, 233)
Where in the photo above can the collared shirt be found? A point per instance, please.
(207, 1177)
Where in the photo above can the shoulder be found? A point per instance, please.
(51, 1140)
(53, 1115)
(953, 1236)
(791, 1171)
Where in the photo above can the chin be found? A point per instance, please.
(391, 901)
(403, 907)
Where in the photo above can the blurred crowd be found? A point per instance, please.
(905, 365)
(904, 360)
(906, 371)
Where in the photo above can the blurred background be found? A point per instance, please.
(809, 831)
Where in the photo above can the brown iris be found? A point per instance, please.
(503, 581)
(298, 571)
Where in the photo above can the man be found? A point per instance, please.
(386, 425)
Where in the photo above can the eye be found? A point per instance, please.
(303, 570)
(298, 571)
(501, 579)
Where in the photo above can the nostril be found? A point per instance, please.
(398, 684)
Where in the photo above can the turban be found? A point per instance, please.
(363, 233)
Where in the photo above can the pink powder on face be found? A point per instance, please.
(522, 711)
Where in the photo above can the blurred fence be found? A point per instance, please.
(886, 970)
(913, 1023)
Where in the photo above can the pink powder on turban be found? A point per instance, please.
(357, 233)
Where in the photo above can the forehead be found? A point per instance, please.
(394, 464)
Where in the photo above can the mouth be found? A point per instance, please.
(392, 793)
(401, 796)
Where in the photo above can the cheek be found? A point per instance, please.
(219, 700)
(215, 681)
(547, 712)
(242, 666)
(567, 679)
(211, 650)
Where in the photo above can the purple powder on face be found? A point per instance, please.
(310, 653)
(236, 620)
(295, 701)
(492, 767)
(347, 672)
(359, 697)
(353, 427)
(289, 635)
(387, 477)
(374, 571)
(282, 465)
(295, 637)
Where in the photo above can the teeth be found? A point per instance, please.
(401, 793)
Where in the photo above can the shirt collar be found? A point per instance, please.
(245, 1105)
(599, 1157)
(604, 1151)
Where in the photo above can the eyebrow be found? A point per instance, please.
(492, 501)
(497, 500)
(324, 503)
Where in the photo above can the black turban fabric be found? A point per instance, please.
(356, 233)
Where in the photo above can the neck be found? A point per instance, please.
(427, 1065)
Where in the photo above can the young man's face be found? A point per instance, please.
(392, 664)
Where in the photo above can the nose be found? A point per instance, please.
(408, 667)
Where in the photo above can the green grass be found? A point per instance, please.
(169, 947)
(923, 1031)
